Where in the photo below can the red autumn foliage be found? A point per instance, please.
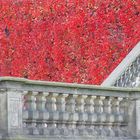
(78, 41)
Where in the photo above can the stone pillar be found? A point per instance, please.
(10, 112)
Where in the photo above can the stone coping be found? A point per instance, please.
(66, 85)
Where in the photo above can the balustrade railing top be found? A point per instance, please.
(52, 110)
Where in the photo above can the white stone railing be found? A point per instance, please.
(49, 110)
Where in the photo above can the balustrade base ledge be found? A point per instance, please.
(66, 138)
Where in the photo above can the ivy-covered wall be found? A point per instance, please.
(78, 41)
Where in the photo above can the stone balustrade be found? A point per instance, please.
(127, 73)
(131, 76)
(69, 114)
(49, 110)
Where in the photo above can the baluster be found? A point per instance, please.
(135, 68)
(124, 113)
(25, 115)
(133, 80)
(107, 106)
(103, 116)
(138, 64)
(43, 114)
(97, 111)
(32, 114)
(125, 79)
(124, 109)
(80, 102)
(92, 116)
(104, 108)
(63, 115)
(73, 116)
(109, 116)
(137, 79)
(121, 80)
(130, 76)
(137, 74)
(106, 116)
(116, 83)
(116, 109)
(53, 114)
(100, 116)
(118, 116)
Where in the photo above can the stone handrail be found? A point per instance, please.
(50, 110)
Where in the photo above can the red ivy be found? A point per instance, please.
(78, 41)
